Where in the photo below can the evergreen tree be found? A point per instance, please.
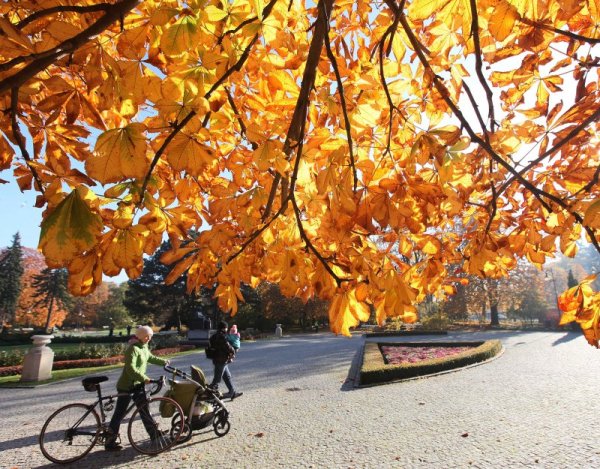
(571, 280)
(51, 286)
(148, 299)
(11, 273)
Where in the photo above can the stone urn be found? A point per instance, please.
(37, 364)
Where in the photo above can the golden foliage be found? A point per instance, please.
(345, 150)
(582, 304)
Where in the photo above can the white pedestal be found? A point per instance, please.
(37, 365)
(278, 331)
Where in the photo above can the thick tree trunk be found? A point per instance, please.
(494, 315)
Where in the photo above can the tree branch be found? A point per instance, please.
(64, 8)
(296, 129)
(254, 145)
(552, 29)
(18, 136)
(340, 89)
(592, 118)
(44, 60)
(479, 66)
(235, 67)
(445, 94)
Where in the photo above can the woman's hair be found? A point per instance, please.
(223, 325)
(143, 331)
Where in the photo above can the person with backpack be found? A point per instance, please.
(221, 353)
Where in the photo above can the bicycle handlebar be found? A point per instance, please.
(157, 385)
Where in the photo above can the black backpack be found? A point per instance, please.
(210, 351)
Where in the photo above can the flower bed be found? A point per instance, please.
(91, 362)
(375, 369)
(398, 354)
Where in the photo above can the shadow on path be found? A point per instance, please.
(568, 337)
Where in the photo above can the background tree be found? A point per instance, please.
(51, 289)
(571, 280)
(298, 132)
(149, 299)
(85, 309)
(113, 310)
(532, 307)
(11, 274)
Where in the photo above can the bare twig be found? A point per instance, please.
(476, 109)
(310, 245)
(254, 145)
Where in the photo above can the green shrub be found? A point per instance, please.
(435, 322)
(11, 358)
(164, 341)
(374, 370)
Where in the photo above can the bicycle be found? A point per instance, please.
(73, 430)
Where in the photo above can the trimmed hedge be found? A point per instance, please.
(25, 339)
(92, 362)
(374, 370)
(403, 333)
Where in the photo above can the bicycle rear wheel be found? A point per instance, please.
(69, 433)
(151, 433)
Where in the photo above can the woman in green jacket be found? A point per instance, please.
(132, 381)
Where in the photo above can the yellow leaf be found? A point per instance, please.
(180, 37)
(69, 230)
(592, 215)
(123, 217)
(126, 251)
(120, 154)
(502, 20)
(185, 153)
(214, 14)
(85, 274)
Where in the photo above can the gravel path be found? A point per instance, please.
(534, 406)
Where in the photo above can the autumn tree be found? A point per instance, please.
(11, 274)
(279, 308)
(85, 309)
(296, 134)
(532, 307)
(112, 310)
(51, 290)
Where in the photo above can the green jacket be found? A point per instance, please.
(137, 357)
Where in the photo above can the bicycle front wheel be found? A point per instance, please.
(70, 433)
(151, 433)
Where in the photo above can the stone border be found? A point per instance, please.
(373, 369)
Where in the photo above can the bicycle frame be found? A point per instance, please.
(100, 404)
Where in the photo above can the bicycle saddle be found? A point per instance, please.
(91, 383)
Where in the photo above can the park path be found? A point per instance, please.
(534, 406)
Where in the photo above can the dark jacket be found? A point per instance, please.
(224, 352)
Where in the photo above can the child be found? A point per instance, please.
(234, 337)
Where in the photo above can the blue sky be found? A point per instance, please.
(18, 214)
